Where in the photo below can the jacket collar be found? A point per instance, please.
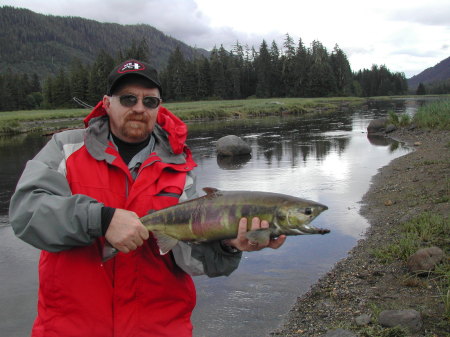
(169, 129)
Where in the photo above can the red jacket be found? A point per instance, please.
(137, 294)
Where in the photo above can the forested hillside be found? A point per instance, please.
(43, 44)
(48, 60)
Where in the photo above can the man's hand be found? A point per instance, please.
(126, 232)
(242, 243)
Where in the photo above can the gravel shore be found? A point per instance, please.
(410, 185)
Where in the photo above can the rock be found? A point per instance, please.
(425, 260)
(339, 333)
(377, 125)
(363, 320)
(408, 318)
(389, 203)
(232, 146)
(390, 128)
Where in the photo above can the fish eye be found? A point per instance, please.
(308, 211)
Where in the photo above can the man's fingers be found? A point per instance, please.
(278, 242)
(143, 232)
(264, 224)
(256, 223)
(242, 229)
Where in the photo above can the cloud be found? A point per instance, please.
(434, 14)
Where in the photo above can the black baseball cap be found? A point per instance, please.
(132, 67)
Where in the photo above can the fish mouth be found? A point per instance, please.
(308, 230)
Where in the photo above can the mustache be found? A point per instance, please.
(138, 117)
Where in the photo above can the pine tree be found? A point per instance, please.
(79, 79)
(61, 90)
(263, 67)
(421, 89)
(100, 70)
(275, 71)
(204, 78)
(288, 67)
(321, 78)
(218, 82)
(174, 76)
(342, 71)
(302, 63)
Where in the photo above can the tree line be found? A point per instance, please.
(435, 88)
(292, 71)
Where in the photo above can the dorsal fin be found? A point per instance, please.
(210, 190)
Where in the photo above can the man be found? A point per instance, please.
(87, 188)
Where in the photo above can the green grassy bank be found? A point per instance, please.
(35, 120)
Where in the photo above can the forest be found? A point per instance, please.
(293, 70)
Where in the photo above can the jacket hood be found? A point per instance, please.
(175, 127)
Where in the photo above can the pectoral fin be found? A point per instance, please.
(262, 236)
(165, 242)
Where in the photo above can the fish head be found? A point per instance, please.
(294, 219)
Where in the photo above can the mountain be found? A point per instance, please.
(439, 72)
(42, 44)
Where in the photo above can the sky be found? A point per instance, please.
(406, 36)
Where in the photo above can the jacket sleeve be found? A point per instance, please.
(206, 258)
(44, 213)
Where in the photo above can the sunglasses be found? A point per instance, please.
(129, 101)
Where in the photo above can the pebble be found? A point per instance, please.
(363, 320)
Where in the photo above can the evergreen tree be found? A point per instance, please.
(79, 79)
(342, 72)
(174, 77)
(48, 93)
(275, 72)
(138, 50)
(263, 67)
(204, 78)
(218, 82)
(321, 78)
(61, 90)
(98, 76)
(190, 82)
(302, 63)
(421, 89)
(288, 67)
(35, 83)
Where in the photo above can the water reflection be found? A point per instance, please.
(329, 160)
(233, 162)
(14, 153)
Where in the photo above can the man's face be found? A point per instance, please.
(131, 124)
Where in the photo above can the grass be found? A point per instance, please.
(23, 121)
(398, 120)
(434, 115)
(426, 230)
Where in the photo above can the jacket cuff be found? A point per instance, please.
(94, 227)
(107, 215)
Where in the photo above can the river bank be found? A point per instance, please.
(361, 283)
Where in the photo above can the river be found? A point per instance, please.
(327, 159)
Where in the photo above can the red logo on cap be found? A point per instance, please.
(130, 67)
